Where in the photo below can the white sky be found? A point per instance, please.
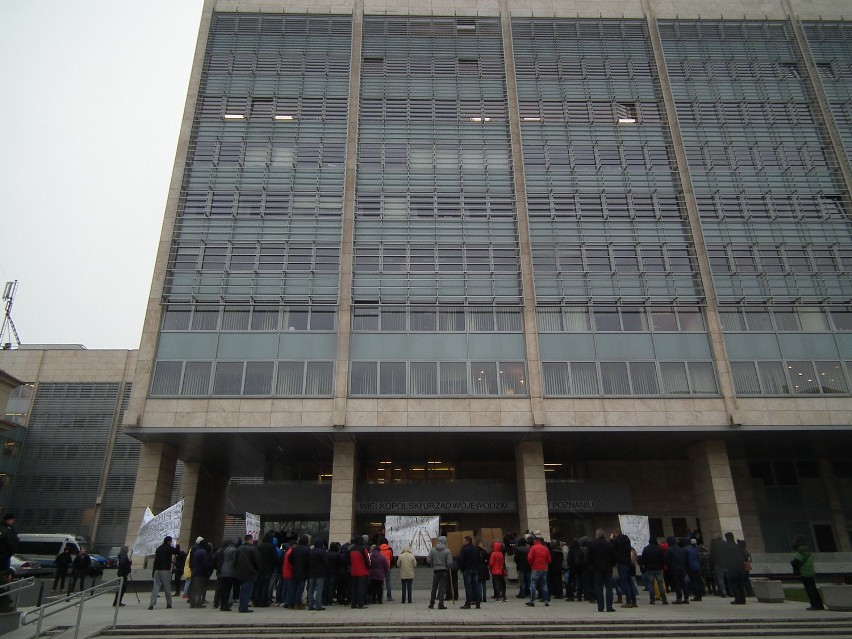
(91, 98)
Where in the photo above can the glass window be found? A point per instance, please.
(423, 319)
(392, 378)
(643, 377)
(674, 378)
(732, 320)
(614, 378)
(745, 378)
(453, 376)
(634, 319)
(772, 378)
(813, 320)
(322, 319)
(483, 378)
(196, 379)
(290, 378)
(364, 378)
(718, 261)
(663, 319)
(556, 379)
(841, 317)
(509, 320)
(481, 319)
(264, 319)
(393, 318)
(319, 379)
(258, 378)
(625, 260)
(770, 260)
(228, 379)
(214, 258)
(205, 319)
(176, 318)
(295, 318)
(549, 320)
(512, 378)
(690, 320)
(166, 378)
(758, 320)
(235, 318)
(679, 261)
(597, 260)
(830, 376)
(802, 378)
(451, 319)
(576, 320)
(606, 318)
(652, 260)
(702, 377)
(584, 378)
(787, 320)
(424, 378)
(365, 318)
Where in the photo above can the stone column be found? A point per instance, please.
(155, 479)
(343, 483)
(838, 520)
(532, 489)
(713, 485)
(203, 492)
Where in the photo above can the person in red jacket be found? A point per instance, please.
(287, 576)
(539, 559)
(497, 568)
(359, 572)
(387, 553)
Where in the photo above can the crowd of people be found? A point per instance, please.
(608, 570)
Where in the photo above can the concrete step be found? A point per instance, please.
(446, 629)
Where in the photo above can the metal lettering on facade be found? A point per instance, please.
(437, 506)
(571, 505)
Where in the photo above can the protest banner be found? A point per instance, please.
(152, 532)
(253, 525)
(637, 529)
(417, 532)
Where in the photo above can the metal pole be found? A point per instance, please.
(117, 606)
(40, 620)
(40, 594)
(80, 614)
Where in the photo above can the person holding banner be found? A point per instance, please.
(162, 572)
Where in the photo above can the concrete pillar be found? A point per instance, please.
(532, 488)
(203, 492)
(155, 479)
(343, 484)
(713, 485)
(838, 520)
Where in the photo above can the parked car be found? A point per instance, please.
(23, 566)
(99, 562)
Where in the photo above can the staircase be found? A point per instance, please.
(449, 629)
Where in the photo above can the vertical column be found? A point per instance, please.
(714, 324)
(343, 484)
(530, 335)
(204, 493)
(532, 487)
(713, 485)
(344, 307)
(154, 481)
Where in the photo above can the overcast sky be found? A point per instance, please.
(91, 98)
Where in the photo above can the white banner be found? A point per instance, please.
(417, 532)
(154, 530)
(253, 525)
(636, 527)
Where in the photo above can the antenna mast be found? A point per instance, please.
(8, 324)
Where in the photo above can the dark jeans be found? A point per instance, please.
(120, 594)
(198, 590)
(696, 584)
(224, 585)
(628, 583)
(439, 587)
(498, 584)
(75, 575)
(406, 589)
(59, 578)
(677, 580)
(538, 583)
(813, 594)
(315, 588)
(736, 586)
(523, 583)
(246, 588)
(358, 591)
(294, 592)
(472, 591)
(604, 579)
(260, 593)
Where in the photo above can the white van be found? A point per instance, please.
(43, 547)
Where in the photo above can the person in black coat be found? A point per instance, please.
(602, 561)
(468, 564)
(299, 562)
(202, 567)
(79, 570)
(520, 555)
(268, 557)
(676, 562)
(653, 561)
(318, 571)
(63, 563)
(122, 571)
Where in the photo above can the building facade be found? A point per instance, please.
(525, 265)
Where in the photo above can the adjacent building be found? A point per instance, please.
(525, 265)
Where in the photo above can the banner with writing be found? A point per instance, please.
(253, 525)
(417, 532)
(637, 529)
(152, 532)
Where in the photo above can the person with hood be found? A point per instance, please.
(268, 558)
(330, 585)
(286, 581)
(803, 566)
(483, 572)
(226, 575)
(247, 566)
(378, 571)
(299, 560)
(318, 570)
(202, 568)
(621, 546)
(122, 570)
(406, 563)
(359, 572)
(575, 559)
(468, 564)
(538, 558)
(497, 568)
(387, 552)
(601, 562)
(440, 560)
(733, 562)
